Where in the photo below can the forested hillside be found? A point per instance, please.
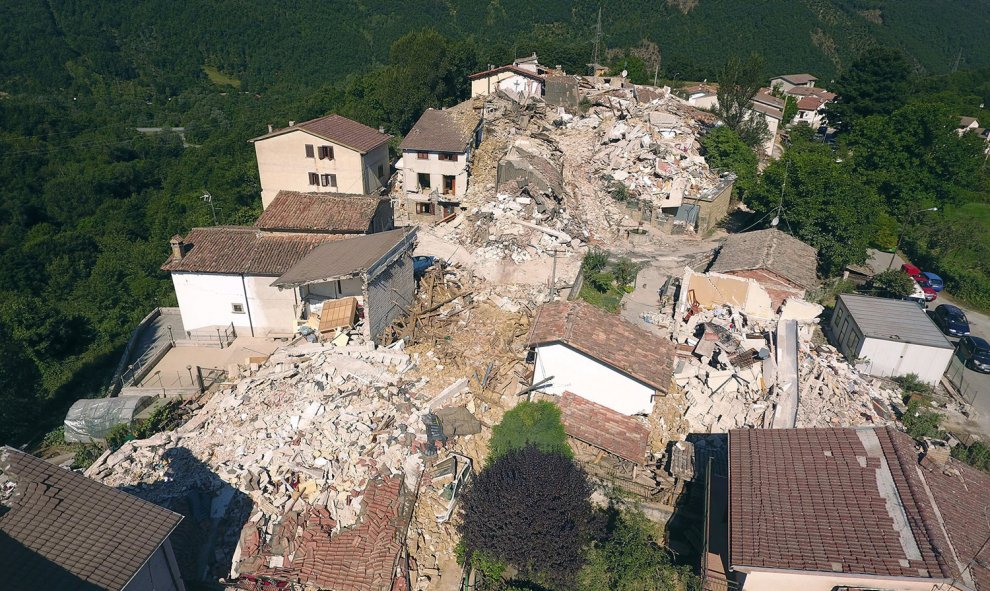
(88, 203)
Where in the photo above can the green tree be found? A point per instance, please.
(920, 421)
(738, 82)
(876, 83)
(529, 423)
(893, 283)
(726, 152)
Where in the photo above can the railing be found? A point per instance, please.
(958, 377)
(221, 336)
(140, 368)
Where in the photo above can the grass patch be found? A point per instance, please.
(219, 78)
(609, 300)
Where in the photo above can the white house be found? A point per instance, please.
(62, 530)
(436, 158)
(702, 96)
(598, 356)
(889, 337)
(522, 79)
(789, 81)
(332, 154)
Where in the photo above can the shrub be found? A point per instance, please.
(602, 282)
(54, 438)
(893, 283)
(529, 423)
(912, 384)
(594, 261)
(530, 509)
(85, 456)
(618, 191)
(118, 435)
(976, 455)
(920, 421)
(625, 271)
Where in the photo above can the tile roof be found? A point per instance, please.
(960, 492)
(803, 91)
(893, 320)
(361, 558)
(764, 97)
(967, 121)
(767, 110)
(773, 250)
(500, 69)
(339, 130)
(604, 428)
(841, 500)
(343, 258)
(320, 212)
(606, 337)
(64, 531)
(810, 103)
(796, 78)
(447, 130)
(238, 249)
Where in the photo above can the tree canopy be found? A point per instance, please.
(877, 83)
(529, 423)
(738, 82)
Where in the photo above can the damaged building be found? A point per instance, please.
(783, 265)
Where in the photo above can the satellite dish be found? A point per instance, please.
(624, 73)
(774, 222)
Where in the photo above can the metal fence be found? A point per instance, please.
(222, 336)
(961, 379)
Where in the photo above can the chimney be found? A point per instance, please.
(178, 247)
(381, 129)
(270, 128)
(291, 123)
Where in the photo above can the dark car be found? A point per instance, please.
(951, 320)
(975, 353)
(421, 264)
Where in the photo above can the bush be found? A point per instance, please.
(54, 438)
(619, 192)
(625, 271)
(920, 421)
(594, 261)
(85, 456)
(912, 384)
(602, 282)
(529, 423)
(118, 435)
(893, 283)
(976, 455)
(530, 509)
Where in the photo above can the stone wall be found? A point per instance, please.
(389, 295)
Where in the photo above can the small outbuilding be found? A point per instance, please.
(779, 262)
(889, 338)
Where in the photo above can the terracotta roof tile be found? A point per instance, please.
(604, 428)
(797, 78)
(336, 213)
(770, 249)
(238, 249)
(606, 337)
(64, 531)
(339, 130)
(448, 130)
(500, 69)
(809, 499)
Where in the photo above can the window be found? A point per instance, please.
(449, 184)
(423, 180)
(381, 170)
(326, 152)
(447, 157)
(309, 150)
(425, 208)
(237, 308)
(314, 179)
(422, 155)
(329, 180)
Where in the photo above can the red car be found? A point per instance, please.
(926, 286)
(911, 270)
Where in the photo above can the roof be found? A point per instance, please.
(764, 97)
(839, 500)
(796, 78)
(344, 258)
(339, 130)
(243, 250)
(810, 103)
(772, 250)
(893, 320)
(320, 212)
(967, 121)
(604, 428)
(767, 110)
(606, 337)
(64, 531)
(448, 130)
(801, 91)
(500, 69)
(361, 558)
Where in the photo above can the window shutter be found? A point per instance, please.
(309, 150)
(333, 180)
(314, 179)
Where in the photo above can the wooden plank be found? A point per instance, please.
(338, 314)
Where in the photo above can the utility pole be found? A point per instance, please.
(208, 198)
(598, 40)
(958, 57)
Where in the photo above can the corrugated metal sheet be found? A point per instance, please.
(894, 320)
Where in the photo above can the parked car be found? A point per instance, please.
(930, 292)
(951, 320)
(917, 296)
(935, 281)
(421, 264)
(975, 353)
(911, 270)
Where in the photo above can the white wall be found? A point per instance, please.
(413, 166)
(205, 299)
(506, 82)
(890, 358)
(590, 379)
(777, 581)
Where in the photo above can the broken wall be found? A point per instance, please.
(389, 295)
(587, 377)
(714, 204)
(562, 91)
(779, 288)
(710, 290)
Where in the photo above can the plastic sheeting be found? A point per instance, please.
(89, 420)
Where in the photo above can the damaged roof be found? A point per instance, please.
(772, 250)
(63, 531)
(243, 250)
(841, 500)
(606, 337)
(339, 130)
(604, 428)
(320, 212)
(345, 258)
(447, 130)
(511, 68)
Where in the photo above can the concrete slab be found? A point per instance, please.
(173, 369)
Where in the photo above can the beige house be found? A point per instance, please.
(522, 79)
(702, 96)
(771, 108)
(846, 509)
(782, 264)
(332, 154)
(789, 81)
(436, 158)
